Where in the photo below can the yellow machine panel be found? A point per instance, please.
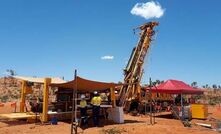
(199, 111)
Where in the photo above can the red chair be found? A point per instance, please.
(168, 108)
(14, 105)
(2, 104)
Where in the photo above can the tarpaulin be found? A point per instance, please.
(175, 87)
(85, 85)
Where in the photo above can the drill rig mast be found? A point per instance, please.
(134, 69)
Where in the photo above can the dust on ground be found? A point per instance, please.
(132, 125)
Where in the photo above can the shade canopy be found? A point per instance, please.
(54, 80)
(175, 87)
(85, 85)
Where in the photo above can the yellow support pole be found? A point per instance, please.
(113, 98)
(47, 82)
(22, 102)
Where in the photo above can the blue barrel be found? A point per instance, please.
(54, 121)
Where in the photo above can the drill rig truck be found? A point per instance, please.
(133, 72)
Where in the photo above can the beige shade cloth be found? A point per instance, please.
(18, 115)
(54, 80)
(85, 85)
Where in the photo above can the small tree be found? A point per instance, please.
(207, 86)
(194, 84)
(158, 82)
(11, 72)
(214, 86)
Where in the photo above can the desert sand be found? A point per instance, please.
(132, 125)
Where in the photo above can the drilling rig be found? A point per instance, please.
(133, 72)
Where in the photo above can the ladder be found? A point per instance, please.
(134, 69)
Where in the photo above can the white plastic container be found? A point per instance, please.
(116, 114)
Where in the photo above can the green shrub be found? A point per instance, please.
(4, 98)
(112, 131)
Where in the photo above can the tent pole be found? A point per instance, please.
(22, 103)
(182, 106)
(74, 106)
(47, 82)
(145, 105)
(113, 99)
(75, 113)
(151, 122)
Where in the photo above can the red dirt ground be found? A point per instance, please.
(132, 125)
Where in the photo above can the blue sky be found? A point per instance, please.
(54, 37)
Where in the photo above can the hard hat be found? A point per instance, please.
(95, 92)
(82, 96)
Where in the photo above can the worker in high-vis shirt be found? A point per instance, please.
(83, 111)
(96, 102)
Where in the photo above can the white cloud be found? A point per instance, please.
(107, 57)
(148, 10)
